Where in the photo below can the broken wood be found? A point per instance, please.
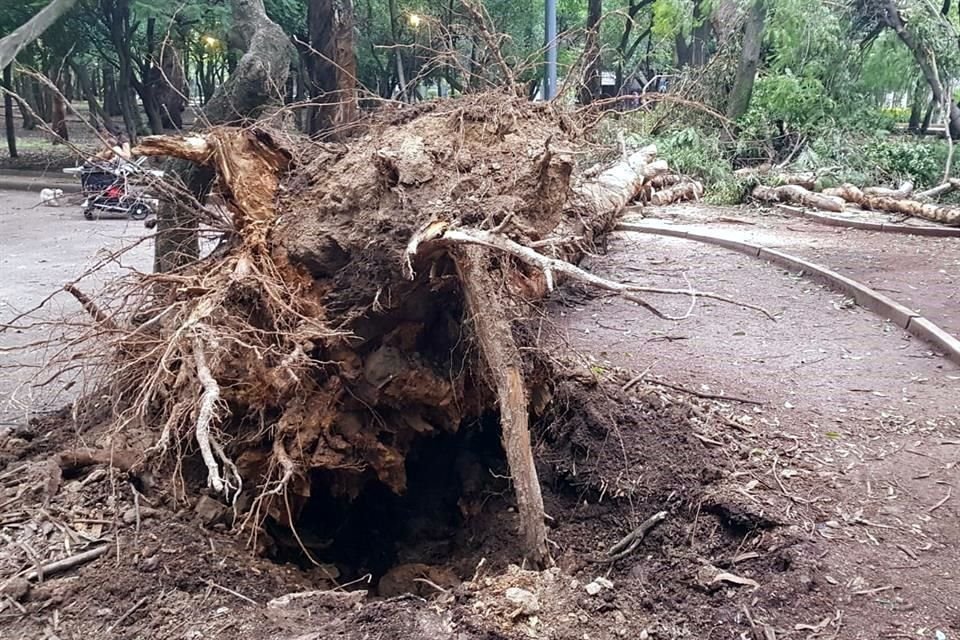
(70, 562)
(686, 190)
(944, 214)
(795, 194)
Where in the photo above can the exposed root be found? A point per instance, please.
(91, 307)
(205, 440)
(631, 542)
(504, 366)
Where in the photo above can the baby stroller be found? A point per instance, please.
(106, 187)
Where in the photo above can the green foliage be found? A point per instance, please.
(693, 152)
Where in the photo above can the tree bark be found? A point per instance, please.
(111, 100)
(740, 94)
(944, 214)
(12, 44)
(8, 121)
(253, 87)
(795, 194)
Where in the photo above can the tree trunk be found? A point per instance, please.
(27, 102)
(916, 106)
(150, 80)
(12, 44)
(247, 93)
(944, 214)
(331, 68)
(98, 115)
(8, 121)
(119, 27)
(740, 94)
(591, 88)
(111, 99)
(927, 63)
(795, 194)
(347, 107)
(58, 111)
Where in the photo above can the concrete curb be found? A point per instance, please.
(883, 227)
(864, 296)
(36, 184)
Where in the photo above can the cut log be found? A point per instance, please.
(944, 214)
(903, 191)
(795, 194)
(687, 190)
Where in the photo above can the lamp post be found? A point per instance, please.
(550, 32)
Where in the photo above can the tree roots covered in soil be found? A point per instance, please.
(372, 298)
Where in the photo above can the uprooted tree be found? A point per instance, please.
(374, 297)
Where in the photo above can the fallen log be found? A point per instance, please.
(952, 184)
(903, 191)
(795, 194)
(686, 190)
(944, 214)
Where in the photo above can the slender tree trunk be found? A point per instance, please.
(27, 106)
(739, 100)
(8, 121)
(98, 115)
(58, 110)
(916, 106)
(591, 88)
(111, 99)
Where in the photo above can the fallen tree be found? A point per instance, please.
(375, 296)
(945, 214)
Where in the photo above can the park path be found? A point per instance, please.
(860, 421)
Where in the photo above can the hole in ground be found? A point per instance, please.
(456, 500)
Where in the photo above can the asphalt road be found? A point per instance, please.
(41, 249)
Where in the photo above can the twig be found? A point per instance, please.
(868, 592)
(210, 583)
(942, 501)
(136, 605)
(630, 542)
(705, 396)
(67, 563)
